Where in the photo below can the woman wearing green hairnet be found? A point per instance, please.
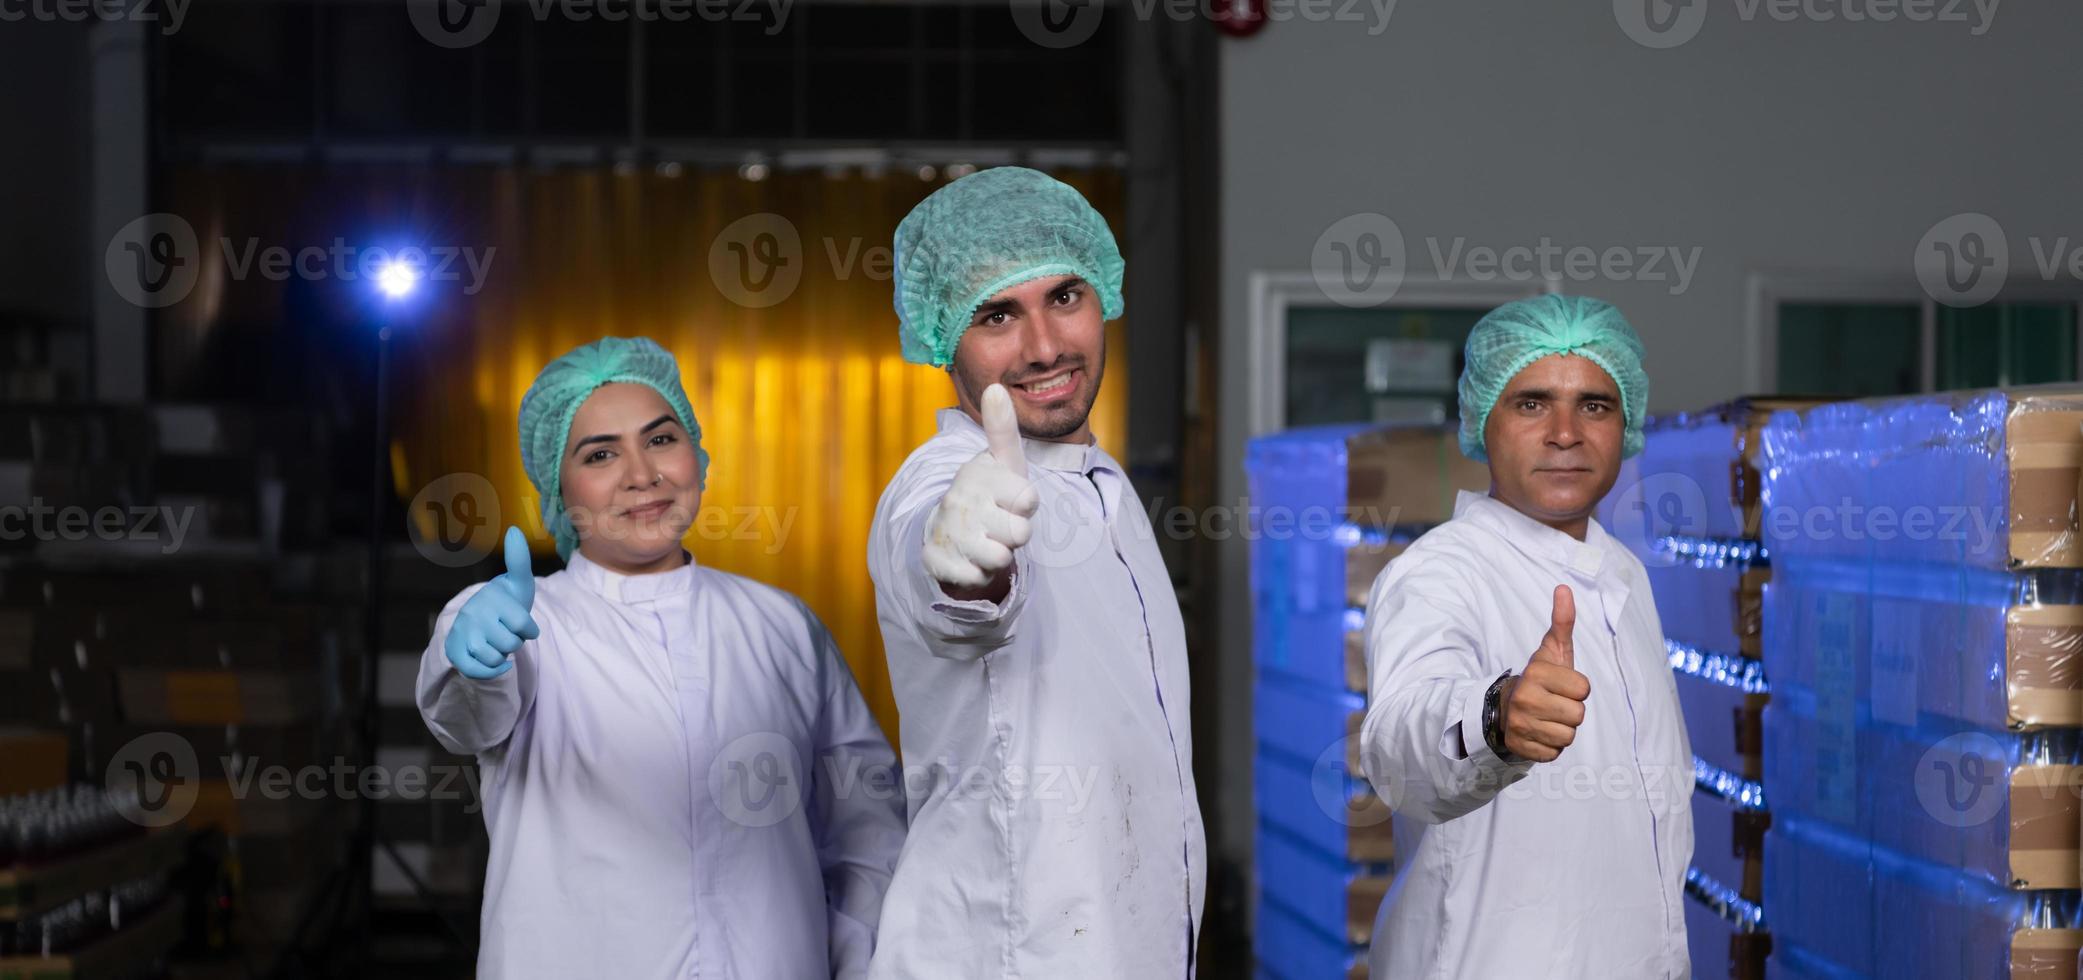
(677, 764)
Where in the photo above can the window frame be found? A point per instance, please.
(1766, 292)
(1275, 292)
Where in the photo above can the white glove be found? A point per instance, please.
(971, 534)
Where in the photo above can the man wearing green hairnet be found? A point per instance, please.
(1035, 647)
(675, 758)
(1519, 697)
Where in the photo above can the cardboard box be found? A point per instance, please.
(1977, 803)
(33, 759)
(1723, 700)
(1719, 608)
(1364, 563)
(1356, 661)
(1289, 943)
(217, 697)
(2037, 954)
(1728, 844)
(1362, 901)
(1926, 641)
(1837, 901)
(1333, 813)
(1700, 471)
(1408, 476)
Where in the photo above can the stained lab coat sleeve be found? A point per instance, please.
(954, 629)
(860, 808)
(1422, 739)
(469, 716)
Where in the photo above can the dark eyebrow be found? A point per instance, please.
(1009, 306)
(612, 438)
(1548, 395)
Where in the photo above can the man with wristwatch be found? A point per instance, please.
(1519, 696)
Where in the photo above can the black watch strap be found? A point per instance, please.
(1493, 727)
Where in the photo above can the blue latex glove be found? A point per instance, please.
(492, 624)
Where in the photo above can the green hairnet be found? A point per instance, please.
(986, 232)
(554, 399)
(1519, 333)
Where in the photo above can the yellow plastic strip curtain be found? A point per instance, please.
(774, 295)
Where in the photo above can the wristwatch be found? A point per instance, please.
(1493, 727)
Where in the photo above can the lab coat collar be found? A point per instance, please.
(1587, 558)
(617, 587)
(1065, 456)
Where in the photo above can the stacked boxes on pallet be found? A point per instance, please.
(194, 609)
(1921, 633)
(1331, 506)
(1690, 507)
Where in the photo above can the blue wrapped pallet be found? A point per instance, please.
(1983, 479)
(1690, 507)
(1323, 806)
(1330, 506)
(1920, 631)
(2001, 806)
(1843, 906)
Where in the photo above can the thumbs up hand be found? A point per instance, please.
(1542, 707)
(971, 534)
(493, 623)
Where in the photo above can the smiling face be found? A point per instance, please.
(632, 481)
(1554, 441)
(1045, 341)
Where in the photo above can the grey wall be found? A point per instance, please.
(1769, 145)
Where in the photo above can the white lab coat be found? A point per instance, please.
(1570, 869)
(1047, 753)
(677, 782)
